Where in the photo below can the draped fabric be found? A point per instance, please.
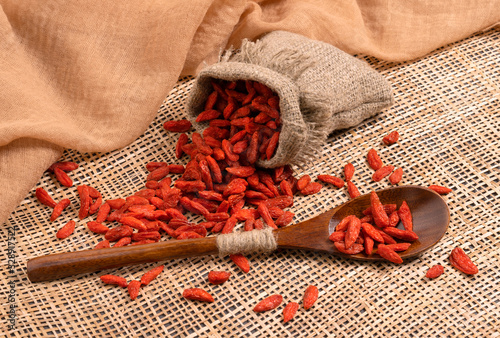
(91, 75)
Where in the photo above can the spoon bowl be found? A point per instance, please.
(430, 214)
(430, 221)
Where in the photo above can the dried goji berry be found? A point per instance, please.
(310, 296)
(374, 160)
(211, 99)
(252, 153)
(190, 186)
(440, 189)
(372, 232)
(404, 214)
(396, 176)
(217, 217)
(332, 180)
(311, 189)
(285, 219)
(264, 212)
(151, 274)
(66, 230)
(348, 171)
(460, 260)
(354, 249)
(229, 226)
(133, 223)
(344, 222)
(124, 241)
(387, 238)
(241, 261)
(200, 144)
(378, 212)
(262, 118)
(405, 235)
(303, 182)
(352, 190)
(227, 147)
(337, 236)
(230, 108)
(245, 214)
(116, 203)
(180, 126)
(114, 280)
(133, 289)
(44, 197)
(240, 147)
(102, 244)
(273, 144)
(197, 228)
(268, 303)
(207, 115)
(258, 224)
(352, 231)
(368, 243)
(62, 177)
(150, 166)
(181, 142)
(238, 137)
(140, 236)
(236, 186)
(243, 171)
(398, 246)
(198, 294)
(58, 208)
(194, 207)
(218, 277)
(382, 172)
(158, 174)
(98, 228)
(286, 188)
(435, 271)
(85, 201)
(387, 253)
(249, 224)
(117, 233)
(64, 165)
(289, 311)
(393, 219)
(391, 138)
(389, 209)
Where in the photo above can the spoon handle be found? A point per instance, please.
(62, 265)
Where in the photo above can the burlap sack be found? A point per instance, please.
(321, 89)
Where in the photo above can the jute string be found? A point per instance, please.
(246, 242)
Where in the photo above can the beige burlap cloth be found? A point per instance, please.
(90, 76)
(447, 111)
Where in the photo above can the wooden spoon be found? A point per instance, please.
(430, 221)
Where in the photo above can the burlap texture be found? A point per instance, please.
(447, 111)
(90, 75)
(321, 89)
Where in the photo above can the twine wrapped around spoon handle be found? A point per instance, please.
(247, 242)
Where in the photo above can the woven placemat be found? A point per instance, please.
(447, 111)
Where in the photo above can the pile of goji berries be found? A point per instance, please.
(220, 182)
(354, 235)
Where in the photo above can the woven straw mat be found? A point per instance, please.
(447, 112)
